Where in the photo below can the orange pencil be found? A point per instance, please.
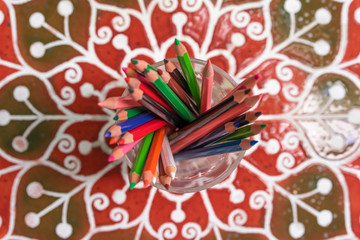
(119, 102)
(214, 124)
(206, 87)
(153, 157)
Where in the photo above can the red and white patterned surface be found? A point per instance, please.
(59, 58)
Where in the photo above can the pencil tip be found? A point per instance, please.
(132, 185)
(247, 91)
(131, 90)
(124, 69)
(167, 186)
(172, 175)
(146, 183)
(101, 104)
(127, 79)
(257, 114)
(108, 134)
(121, 141)
(134, 61)
(177, 42)
(257, 76)
(253, 142)
(116, 118)
(146, 70)
(111, 158)
(112, 141)
(166, 61)
(263, 126)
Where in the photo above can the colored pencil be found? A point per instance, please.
(176, 75)
(174, 101)
(121, 150)
(156, 174)
(118, 102)
(141, 131)
(226, 129)
(140, 65)
(248, 83)
(180, 92)
(119, 128)
(127, 113)
(135, 83)
(153, 157)
(164, 179)
(155, 107)
(206, 87)
(130, 72)
(139, 162)
(195, 135)
(237, 98)
(228, 147)
(243, 132)
(168, 158)
(114, 140)
(188, 70)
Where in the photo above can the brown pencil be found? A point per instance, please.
(178, 77)
(188, 101)
(164, 179)
(248, 83)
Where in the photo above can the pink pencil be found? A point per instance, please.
(119, 102)
(121, 150)
(206, 87)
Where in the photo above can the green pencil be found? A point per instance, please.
(139, 162)
(242, 133)
(127, 113)
(188, 71)
(169, 95)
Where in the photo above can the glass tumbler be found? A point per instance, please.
(197, 174)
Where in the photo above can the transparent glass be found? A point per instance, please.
(197, 174)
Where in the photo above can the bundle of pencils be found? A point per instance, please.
(169, 115)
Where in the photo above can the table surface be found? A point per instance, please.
(59, 58)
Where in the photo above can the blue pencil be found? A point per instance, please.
(120, 128)
(226, 129)
(233, 146)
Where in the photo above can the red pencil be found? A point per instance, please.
(141, 131)
(212, 125)
(206, 87)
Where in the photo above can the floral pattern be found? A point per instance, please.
(59, 58)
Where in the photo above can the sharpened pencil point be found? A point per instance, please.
(253, 142)
(166, 61)
(124, 69)
(111, 158)
(108, 134)
(121, 141)
(101, 104)
(134, 61)
(146, 183)
(172, 175)
(116, 118)
(257, 76)
(258, 114)
(112, 141)
(146, 70)
(131, 90)
(167, 186)
(132, 185)
(263, 126)
(247, 91)
(177, 42)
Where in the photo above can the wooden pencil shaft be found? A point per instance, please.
(130, 112)
(139, 132)
(154, 152)
(206, 87)
(242, 132)
(135, 121)
(167, 157)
